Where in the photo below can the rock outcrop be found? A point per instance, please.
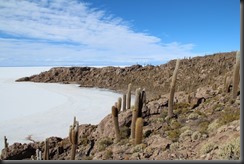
(193, 73)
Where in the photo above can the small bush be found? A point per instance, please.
(196, 135)
(207, 148)
(174, 124)
(216, 107)
(203, 126)
(231, 150)
(185, 134)
(166, 128)
(200, 113)
(163, 113)
(182, 105)
(229, 116)
(174, 146)
(104, 143)
(108, 154)
(193, 116)
(84, 140)
(124, 132)
(139, 148)
(213, 126)
(174, 135)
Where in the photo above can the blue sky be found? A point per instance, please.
(115, 32)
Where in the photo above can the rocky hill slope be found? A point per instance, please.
(205, 126)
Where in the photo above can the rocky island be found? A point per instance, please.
(205, 124)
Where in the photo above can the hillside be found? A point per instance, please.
(205, 126)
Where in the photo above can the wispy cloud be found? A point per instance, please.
(71, 32)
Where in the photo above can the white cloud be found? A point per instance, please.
(87, 34)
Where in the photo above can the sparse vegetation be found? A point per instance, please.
(230, 150)
(104, 143)
(174, 135)
(203, 127)
(228, 115)
(207, 148)
(196, 135)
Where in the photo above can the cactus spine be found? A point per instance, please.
(119, 104)
(115, 113)
(124, 102)
(236, 76)
(139, 131)
(73, 137)
(172, 90)
(46, 150)
(128, 97)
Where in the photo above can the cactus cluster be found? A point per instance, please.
(172, 90)
(140, 99)
(73, 137)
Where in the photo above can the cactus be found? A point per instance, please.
(5, 142)
(124, 102)
(172, 90)
(135, 112)
(73, 137)
(236, 76)
(119, 104)
(227, 83)
(139, 131)
(46, 150)
(38, 154)
(128, 97)
(115, 113)
(142, 102)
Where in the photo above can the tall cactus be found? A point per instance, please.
(73, 137)
(128, 97)
(172, 90)
(46, 150)
(139, 131)
(38, 154)
(142, 102)
(236, 76)
(124, 102)
(119, 104)
(115, 113)
(135, 112)
(5, 142)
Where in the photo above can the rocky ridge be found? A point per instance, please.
(206, 126)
